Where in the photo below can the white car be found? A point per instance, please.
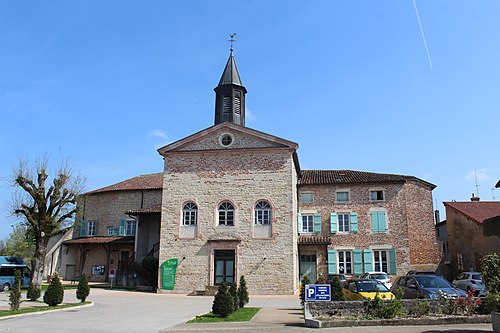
(379, 276)
(471, 281)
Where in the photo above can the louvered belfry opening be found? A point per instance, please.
(230, 96)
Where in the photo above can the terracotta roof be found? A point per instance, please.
(478, 211)
(148, 210)
(101, 240)
(315, 240)
(152, 181)
(320, 177)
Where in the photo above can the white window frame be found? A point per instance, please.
(340, 226)
(111, 231)
(378, 260)
(304, 195)
(263, 213)
(91, 228)
(226, 212)
(344, 261)
(343, 191)
(189, 214)
(307, 223)
(129, 230)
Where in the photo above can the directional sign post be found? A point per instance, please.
(318, 292)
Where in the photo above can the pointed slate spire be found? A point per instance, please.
(230, 95)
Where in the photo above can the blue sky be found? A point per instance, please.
(105, 83)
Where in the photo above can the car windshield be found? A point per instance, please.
(477, 277)
(379, 276)
(432, 282)
(371, 287)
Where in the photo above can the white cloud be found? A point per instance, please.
(481, 174)
(159, 134)
(249, 116)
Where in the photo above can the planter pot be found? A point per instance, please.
(495, 321)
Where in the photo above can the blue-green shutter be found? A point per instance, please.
(358, 262)
(332, 261)
(116, 231)
(354, 222)
(367, 257)
(299, 222)
(392, 262)
(382, 222)
(83, 228)
(333, 222)
(122, 230)
(317, 222)
(375, 222)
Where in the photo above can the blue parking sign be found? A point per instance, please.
(318, 292)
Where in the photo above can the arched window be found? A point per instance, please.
(189, 214)
(263, 213)
(226, 214)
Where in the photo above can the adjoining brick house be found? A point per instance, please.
(473, 232)
(227, 205)
(354, 222)
(104, 238)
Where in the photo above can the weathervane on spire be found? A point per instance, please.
(232, 40)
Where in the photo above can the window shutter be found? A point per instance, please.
(392, 262)
(83, 228)
(317, 223)
(358, 262)
(299, 222)
(333, 222)
(122, 230)
(375, 227)
(354, 222)
(382, 223)
(368, 259)
(332, 261)
(116, 231)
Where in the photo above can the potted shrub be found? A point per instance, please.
(490, 268)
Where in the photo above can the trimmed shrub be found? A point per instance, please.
(15, 292)
(223, 302)
(305, 280)
(242, 292)
(234, 294)
(55, 292)
(384, 309)
(34, 292)
(83, 290)
(337, 289)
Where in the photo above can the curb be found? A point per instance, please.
(45, 311)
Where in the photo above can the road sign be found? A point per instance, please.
(112, 271)
(318, 292)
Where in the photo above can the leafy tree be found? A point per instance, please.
(55, 293)
(15, 292)
(337, 289)
(223, 302)
(20, 243)
(242, 292)
(33, 292)
(83, 290)
(44, 207)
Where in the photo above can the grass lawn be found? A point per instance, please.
(4, 313)
(244, 314)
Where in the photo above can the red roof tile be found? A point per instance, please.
(101, 240)
(314, 240)
(152, 181)
(478, 211)
(149, 210)
(320, 177)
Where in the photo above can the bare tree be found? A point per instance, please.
(44, 209)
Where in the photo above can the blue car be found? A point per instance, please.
(8, 265)
(426, 286)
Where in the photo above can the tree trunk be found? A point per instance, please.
(38, 261)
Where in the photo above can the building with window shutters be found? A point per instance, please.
(233, 201)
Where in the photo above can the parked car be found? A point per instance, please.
(379, 276)
(471, 281)
(421, 273)
(8, 265)
(341, 277)
(362, 289)
(426, 286)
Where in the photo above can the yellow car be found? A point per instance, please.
(362, 289)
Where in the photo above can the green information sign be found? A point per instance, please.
(168, 271)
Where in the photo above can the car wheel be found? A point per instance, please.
(6, 287)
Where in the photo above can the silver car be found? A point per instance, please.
(379, 276)
(471, 281)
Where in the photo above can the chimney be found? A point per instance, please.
(473, 198)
